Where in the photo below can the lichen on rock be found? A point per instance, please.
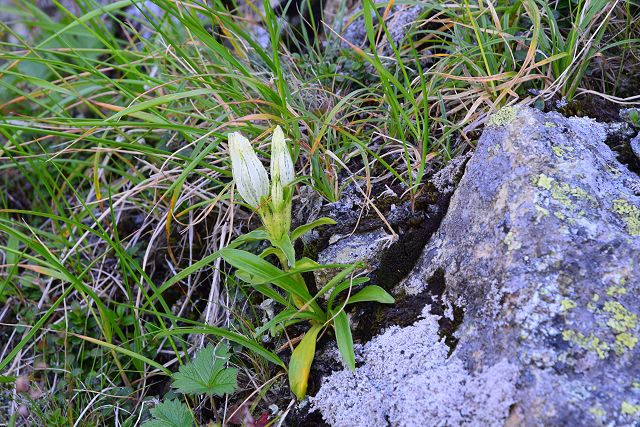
(541, 250)
(503, 117)
(407, 380)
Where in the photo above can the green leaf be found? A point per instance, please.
(307, 264)
(344, 339)
(159, 100)
(372, 293)
(207, 374)
(252, 236)
(337, 279)
(345, 285)
(285, 318)
(224, 333)
(284, 244)
(298, 232)
(171, 413)
(269, 251)
(300, 364)
(261, 287)
(261, 269)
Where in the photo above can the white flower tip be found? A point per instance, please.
(238, 142)
(281, 162)
(278, 135)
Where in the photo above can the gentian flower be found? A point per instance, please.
(248, 172)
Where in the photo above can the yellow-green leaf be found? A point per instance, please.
(300, 364)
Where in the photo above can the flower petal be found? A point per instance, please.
(281, 162)
(248, 172)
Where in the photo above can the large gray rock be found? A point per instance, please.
(541, 249)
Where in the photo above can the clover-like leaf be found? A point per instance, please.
(206, 374)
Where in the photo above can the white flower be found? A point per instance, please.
(250, 176)
(281, 162)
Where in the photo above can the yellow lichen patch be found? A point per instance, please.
(544, 181)
(621, 320)
(591, 343)
(567, 304)
(625, 341)
(629, 408)
(504, 116)
(613, 291)
(560, 216)
(630, 214)
(542, 211)
(558, 151)
(597, 411)
(565, 194)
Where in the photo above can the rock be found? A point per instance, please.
(447, 178)
(540, 248)
(406, 380)
(635, 146)
(398, 21)
(398, 24)
(363, 247)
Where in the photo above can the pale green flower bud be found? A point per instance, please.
(277, 194)
(248, 172)
(281, 162)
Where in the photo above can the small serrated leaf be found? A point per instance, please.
(206, 374)
(171, 413)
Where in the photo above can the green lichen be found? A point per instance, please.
(549, 125)
(567, 304)
(590, 343)
(635, 384)
(560, 215)
(503, 117)
(494, 150)
(558, 151)
(629, 408)
(630, 215)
